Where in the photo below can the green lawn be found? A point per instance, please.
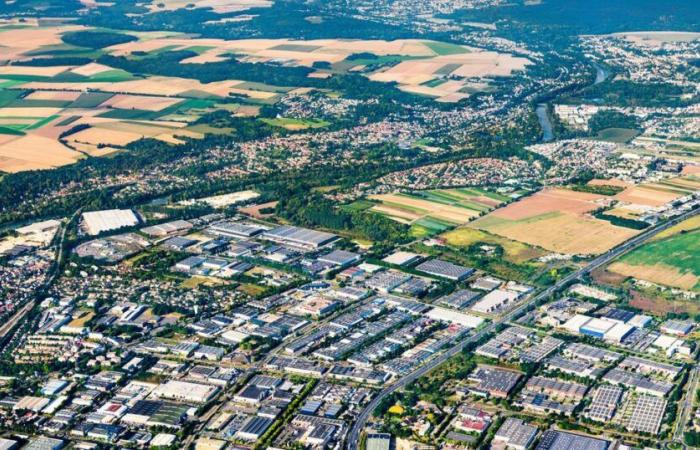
(619, 135)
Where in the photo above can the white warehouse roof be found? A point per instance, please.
(96, 222)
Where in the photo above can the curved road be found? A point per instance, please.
(353, 437)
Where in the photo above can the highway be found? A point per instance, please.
(353, 437)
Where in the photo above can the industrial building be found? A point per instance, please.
(96, 222)
(299, 237)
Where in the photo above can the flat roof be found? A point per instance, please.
(303, 236)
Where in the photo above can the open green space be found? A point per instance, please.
(297, 124)
(680, 251)
(619, 135)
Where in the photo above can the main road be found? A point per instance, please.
(10, 325)
(353, 437)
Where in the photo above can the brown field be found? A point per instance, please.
(662, 306)
(556, 220)
(602, 276)
(424, 66)
(562, 233)
(417, 208)
(658, 273)
(609, 182)
(254, 210)
(691, 170)
(29, 112)
(642, 195)
(550, 200)
(34, 152)
(658, 38)
(142, 102)
(17, 42)
(53, 95)
(90, 69)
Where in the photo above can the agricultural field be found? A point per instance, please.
(672, 259)
(297, 124)
(217, 6)
(58, 104)
(435, 69)
(557, 220)
(431, 212)
(636, 200)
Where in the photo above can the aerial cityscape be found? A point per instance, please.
(349, 224)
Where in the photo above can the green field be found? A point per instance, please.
(297, 124)
(463, 197)
(619, 135)
(445, 48)
(680, 252)
(90, 100)
(429, 226)
(358, 205)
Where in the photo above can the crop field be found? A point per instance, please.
(435, 69)
(217, 6)
(53, 115)
(431, 212)
(661, 192)
(557, 220)
(671, 259)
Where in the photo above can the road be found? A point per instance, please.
(687, 406)
(11, 324)
(353, 438)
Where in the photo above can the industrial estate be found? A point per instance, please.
(349, 225)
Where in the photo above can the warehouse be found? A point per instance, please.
(254, 428)
(444, 269)
(300, 237)
(96, 222)
(185, 392)
(516, 434)
(401, 258)
(495, 300)
(451, 316)
(618, 333)
(560, 440)
(597, 328)
(574, 324)
(340, 258)
(167, 229)
(459, 299)
(236, 230)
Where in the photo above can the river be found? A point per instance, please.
(545, 122)
(600, 73)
